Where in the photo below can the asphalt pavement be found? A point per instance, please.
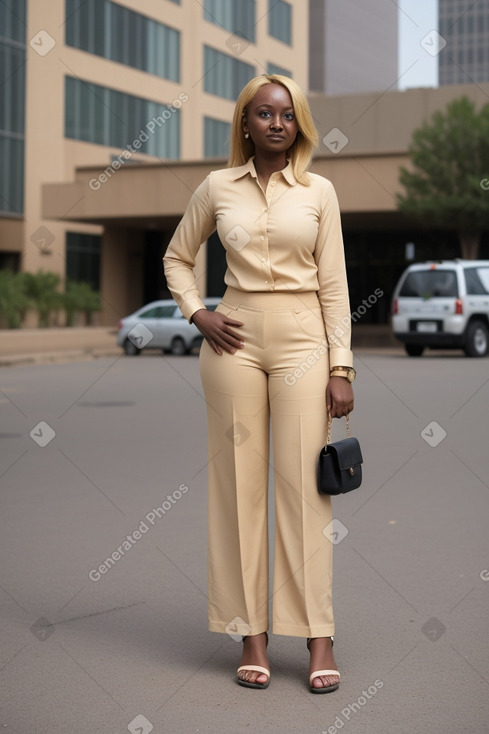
(103, 557)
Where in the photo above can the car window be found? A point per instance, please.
(477, 280)
(166, 312)
(150, 313)
(430, 284)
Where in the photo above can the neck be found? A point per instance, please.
(265, 164)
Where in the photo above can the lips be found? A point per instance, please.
(276, 137)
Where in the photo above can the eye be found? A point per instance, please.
(264, 112)
(289, 116)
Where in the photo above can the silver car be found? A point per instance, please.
(443, 305)
(160, 325)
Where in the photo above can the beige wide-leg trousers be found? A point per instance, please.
(281, 372)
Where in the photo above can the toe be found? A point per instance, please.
(324, 681)
(253, 676)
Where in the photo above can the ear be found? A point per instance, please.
(244, 122)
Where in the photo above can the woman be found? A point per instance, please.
(277, 346)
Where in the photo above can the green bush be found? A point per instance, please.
(20, 291)
(13, 297)
(42, 292)
(80, 297)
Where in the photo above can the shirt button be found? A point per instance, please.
(262, 237)
(264, 259)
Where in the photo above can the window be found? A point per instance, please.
(237, 16)
(275, 69)
(430, 284)
(83, 258)
(106, 29)
(280, 20)
(12, 107)
(216, 138)
(105, 116)
(224, 75)
(477, 281)
(159, 312)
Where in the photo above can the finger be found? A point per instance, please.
(230, 338)
(232, 322)
(215, 346)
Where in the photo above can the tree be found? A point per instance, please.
(448, 184)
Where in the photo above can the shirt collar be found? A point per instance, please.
(249, 167)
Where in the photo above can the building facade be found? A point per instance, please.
(464, 26)
(116, 83)
(353, 46)
(373, 134)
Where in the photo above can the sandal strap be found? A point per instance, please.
(318, 673)
(255, 669)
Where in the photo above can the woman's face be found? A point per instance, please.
(269, 118)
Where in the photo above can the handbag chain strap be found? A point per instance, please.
(330, 427)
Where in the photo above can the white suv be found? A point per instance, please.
(443, 305)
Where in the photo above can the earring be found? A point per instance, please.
(247, 135)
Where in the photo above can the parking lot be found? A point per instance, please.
(107, 459)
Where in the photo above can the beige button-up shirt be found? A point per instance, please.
(287, 238)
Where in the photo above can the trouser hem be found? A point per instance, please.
(300, 631)
(254, 629)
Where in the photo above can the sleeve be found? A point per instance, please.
(333, 286)
(196, 225)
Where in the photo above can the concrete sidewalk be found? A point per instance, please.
(45, 346)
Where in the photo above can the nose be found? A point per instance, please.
(276, 124)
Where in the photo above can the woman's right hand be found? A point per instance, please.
(216, 330)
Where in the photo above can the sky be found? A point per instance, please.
(417, 66)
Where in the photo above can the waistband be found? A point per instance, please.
(271, 299)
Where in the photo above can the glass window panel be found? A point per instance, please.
(100, 29)
(117, 33)
(280, 20)
(13, 19)
(11, 175)
(275, 69)
(109, 117)
(83, 258)
(237, 16)
(216, 138)
(224, 75)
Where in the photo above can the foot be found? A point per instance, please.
(322, 658)
(254, 653)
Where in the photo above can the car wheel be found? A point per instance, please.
(178, 347)
(130, 348)
(414, 350)
(477, 341)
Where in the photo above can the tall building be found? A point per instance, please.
(464, 26)
(353, 46)
(114, 84)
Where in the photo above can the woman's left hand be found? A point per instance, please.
(339, 397)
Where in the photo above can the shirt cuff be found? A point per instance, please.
(340, 357)
(190, 307)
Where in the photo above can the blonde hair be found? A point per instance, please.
(301, 150)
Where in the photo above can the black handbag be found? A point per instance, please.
(340, 464)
